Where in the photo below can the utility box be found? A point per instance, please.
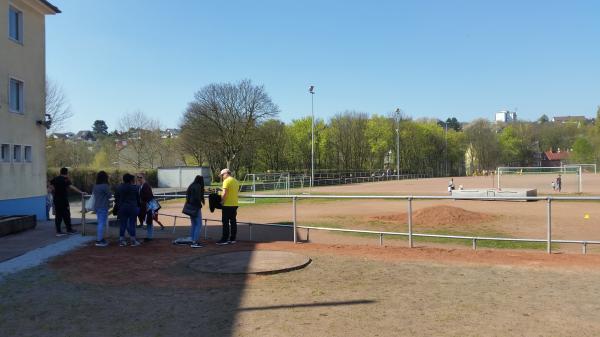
(182, 176)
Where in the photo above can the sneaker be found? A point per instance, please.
(59, 234)
(231, 242)
(101, 243)
(147, 239)
(71, 232)
(122, 243)
(222, 242)
(135, 243)
(196, 245)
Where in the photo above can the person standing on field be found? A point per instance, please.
(229, 200)
(559, 183)
(145, 214)
(101, 194)
(60, 186)
(127, 203)
(195, 198)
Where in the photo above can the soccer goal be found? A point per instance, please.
(585, 168)
(544, 179)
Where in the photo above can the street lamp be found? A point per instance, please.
(311, 90)
(398, 142)
(446, 147)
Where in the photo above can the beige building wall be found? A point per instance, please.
(25, 62)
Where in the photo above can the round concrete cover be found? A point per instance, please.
(250, 262)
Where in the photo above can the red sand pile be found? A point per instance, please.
(439, 215)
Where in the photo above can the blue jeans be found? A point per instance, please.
(102, 216)
(196, 226)
(127, 220)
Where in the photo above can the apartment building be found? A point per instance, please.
(22, 106)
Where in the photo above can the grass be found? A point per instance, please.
(495, 244)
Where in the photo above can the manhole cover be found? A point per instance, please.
(250, 262)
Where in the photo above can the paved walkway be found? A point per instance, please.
(32, 247)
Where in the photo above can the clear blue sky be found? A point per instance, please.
(432, 59)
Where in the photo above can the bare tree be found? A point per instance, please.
(57, 106)
(142, 136)
(225, 115)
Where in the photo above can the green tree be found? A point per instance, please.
(380, 137)
(583, 152)
(484, 148)
(99, 128)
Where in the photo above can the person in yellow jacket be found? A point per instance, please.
(229, 200)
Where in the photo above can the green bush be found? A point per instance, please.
(85, 178)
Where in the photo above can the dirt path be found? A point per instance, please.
(346, 291)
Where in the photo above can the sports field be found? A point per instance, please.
(510, 219)
(353, 287)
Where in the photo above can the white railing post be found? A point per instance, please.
(549, 224)
(205, 229)
(83, 214)
(294, 218)
(409, 216)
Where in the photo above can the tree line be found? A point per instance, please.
(235, 125)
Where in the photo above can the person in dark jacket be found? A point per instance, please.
(127, 200)
(145, 214)
(195, 197)
(60, 187)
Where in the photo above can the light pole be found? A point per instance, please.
(398, 142)
(446, 147)
(311, 90)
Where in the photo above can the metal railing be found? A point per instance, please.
(410, 234)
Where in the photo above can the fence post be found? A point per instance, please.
(294, 218)
(380, 239)
(83, 214)
(205, 229)
(474, 243)
(549, 224)
(409, 215)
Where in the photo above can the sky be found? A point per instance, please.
(432, 59)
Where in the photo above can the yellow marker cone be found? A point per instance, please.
(586, 216)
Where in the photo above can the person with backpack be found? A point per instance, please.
(127, 204)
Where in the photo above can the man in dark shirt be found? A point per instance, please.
(60, 190)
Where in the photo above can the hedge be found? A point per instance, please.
(85, 178)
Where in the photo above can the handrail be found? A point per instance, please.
(549, 199)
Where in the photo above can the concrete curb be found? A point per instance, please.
(38, 256)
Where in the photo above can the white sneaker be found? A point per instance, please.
(135, 243)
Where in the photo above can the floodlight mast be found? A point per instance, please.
(398, 142)
(311, 90)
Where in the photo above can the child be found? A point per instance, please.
(553, 185)
(49, 200)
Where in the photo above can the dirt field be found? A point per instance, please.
(353, 287)
(345, 291)
(510, 219)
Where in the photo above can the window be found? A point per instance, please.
(17, 153)
(15, 96)
(15, 24)
(27, 154)
(5, 153)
